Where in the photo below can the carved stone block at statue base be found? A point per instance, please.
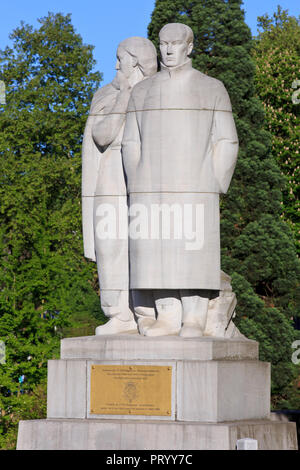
(212, 379)
(208, 391)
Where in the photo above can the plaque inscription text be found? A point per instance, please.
(131, 390)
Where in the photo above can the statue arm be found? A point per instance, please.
(225, 141)
(90, 165)
(107, 127)
(131, 143)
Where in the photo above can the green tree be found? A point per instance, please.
(257, 246)
(31, 405)
(44, 279)
(277, 58)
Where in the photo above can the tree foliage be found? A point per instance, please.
(257, 245)
(277, 58)
(44, 279)
(23, 406)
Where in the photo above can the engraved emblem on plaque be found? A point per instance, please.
(130, 391)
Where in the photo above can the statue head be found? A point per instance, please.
(136, 58)
(176, 44)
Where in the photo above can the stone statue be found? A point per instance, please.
(179, 152)
(103, 184)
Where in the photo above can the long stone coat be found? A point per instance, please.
(179, 148)
(103, 184)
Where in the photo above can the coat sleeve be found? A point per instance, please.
(131, 144)
(90, 165)
(107, 127)
(224, 139)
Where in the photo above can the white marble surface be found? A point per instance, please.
(66, 389)
(86, 434)
(136, 347)
(217, 391)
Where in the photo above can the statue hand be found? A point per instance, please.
(123, 82)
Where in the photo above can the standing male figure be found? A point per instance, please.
(179, 151)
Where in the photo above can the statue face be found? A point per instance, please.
(174, 48)
(125, 62)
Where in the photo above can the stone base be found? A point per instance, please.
(131, 347)
(220, 392)
(213, 380)
(84, 434)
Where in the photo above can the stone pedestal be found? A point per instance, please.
(220, 392)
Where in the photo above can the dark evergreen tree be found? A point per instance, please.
(44, 279)
(257, 246)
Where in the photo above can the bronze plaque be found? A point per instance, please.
(131, 390)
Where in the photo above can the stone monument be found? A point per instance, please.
(169, 370)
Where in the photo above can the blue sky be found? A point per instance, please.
(105, 23)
